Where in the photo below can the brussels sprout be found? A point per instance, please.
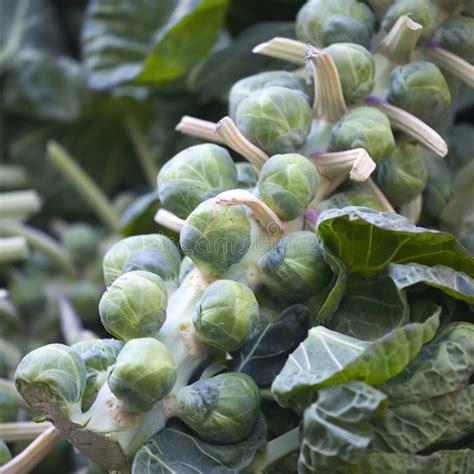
(134, 305)
(52, 373)
(439, 188)
(8, 406)
(225, 314)
(243, 88)
(143, 374)
(324, 22)
(98, 356)
(287, 184)
(457, 35)
(275, 119)
(421, 89)
(120, 258)
(222, 409)
(404, 175)
(246, 176)
(5, 454)
(193, 175)
(363, 127)
(351, 197)
(420, 11)
(215, 237)
(82, 242)
(296, 266)
(356, 68)
(84, 297)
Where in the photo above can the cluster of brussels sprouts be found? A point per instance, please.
(360, 103)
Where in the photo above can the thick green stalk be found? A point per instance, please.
(22, 430)
(84, 185)
(19, 205)
(13, 249)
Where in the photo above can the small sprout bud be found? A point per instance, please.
(134, 305)
(296, 266)
(143, 374)
(362, 128)
(121, 257)
(287, 184)
(324, 22)
(225, 314)
(275, 119)
(215, 237)
(222, 409)
(193, 175)
(54, 373)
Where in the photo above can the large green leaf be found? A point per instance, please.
(265, 350)
(367, 241)
(45, 87)
(328, 358)
(370, 308)
(147, 41)
(213, 76)
(455, 284)
(176, 450)
(335, 428)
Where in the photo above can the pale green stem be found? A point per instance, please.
(202, 129)
(377, 192)
(39, 241)
(266, 394)
(452, 63)
(400, 42)
(33, 454)
(19, 204)
(71, 325)
(84, 185)
(13, 249)
(329, 103)
(169, 220)
(276, 449)
(12, 177)
(234, 139)
(283, 48)
(412, 210)
(22, 430)
(145, 155)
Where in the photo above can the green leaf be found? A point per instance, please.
(370, 308)
(176, 450)
(45, 87)
(455, 284)
(336, 428)
(266, 349)
(329, 358)
(147, 42)
(213, 76)
(138, 217)
(366, 241)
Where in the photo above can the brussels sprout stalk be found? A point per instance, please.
(283, 48)
(377, 192)
(233, 138)
(411, 125)
(329, 103)
(19, 205)
(169, 220)
(451, 62)
(22, 430)
(400, 42)
(13, 249)
(199, 128)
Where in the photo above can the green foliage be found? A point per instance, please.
(456, 34)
